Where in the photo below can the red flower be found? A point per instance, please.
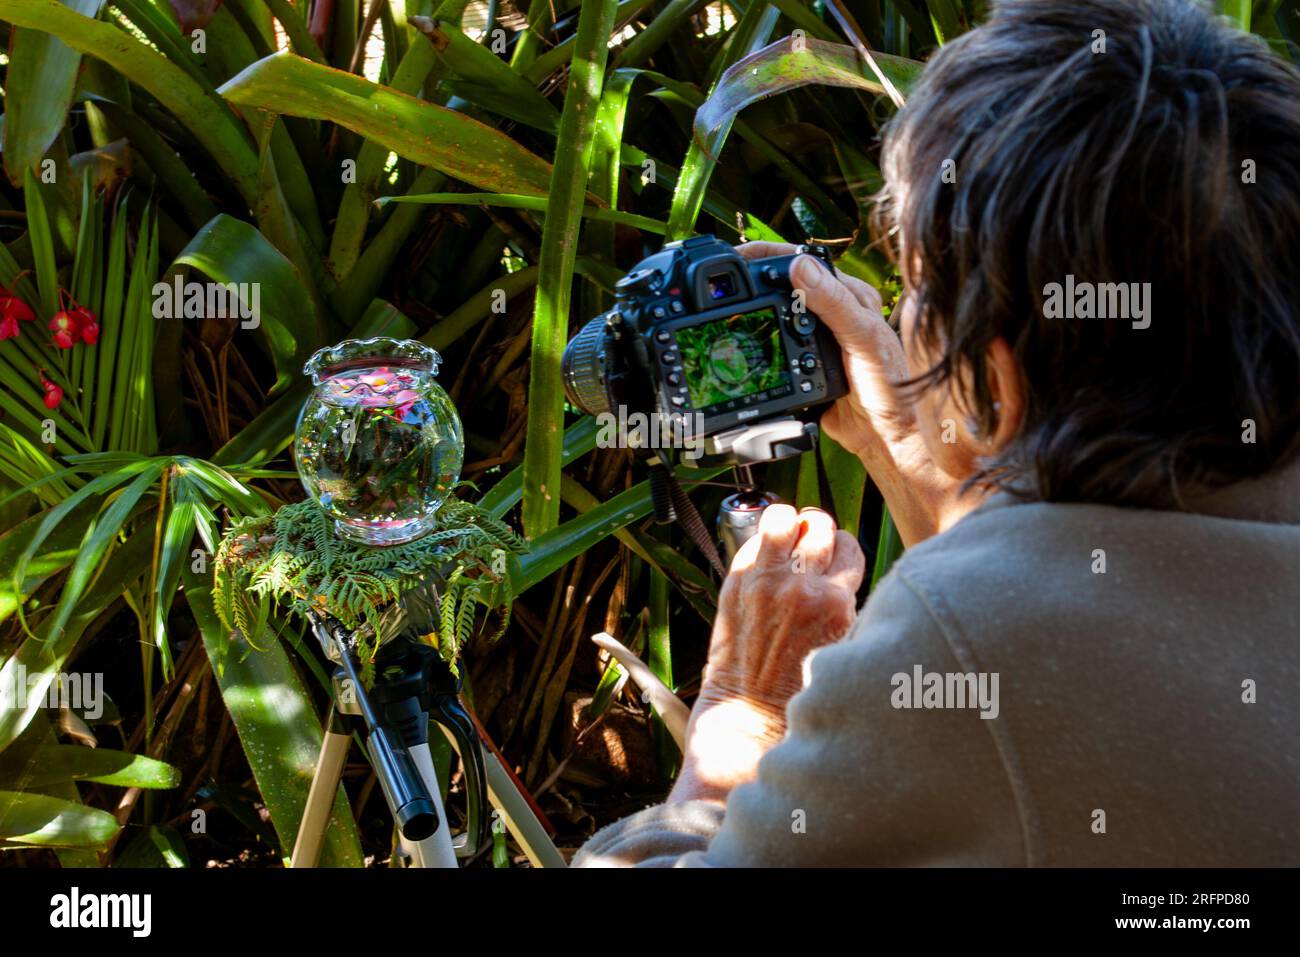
(90, 331)
(8, 327)
(11, 307)
(53, 394)
(65, 329)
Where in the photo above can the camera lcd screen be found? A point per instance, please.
(734, 361)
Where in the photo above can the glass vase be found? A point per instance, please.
(378, 444)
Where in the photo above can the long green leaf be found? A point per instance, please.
(39, 659)
(44, 821)
(420, 131)
(889, 547)
(847, 478)
(304, 44)
(695, 586)
(664, 25)
(472, 71)
(545, 436)
(96, 542)
(787, 65)
(355, 206)
(153, 847)
(474, 309)
(230, 251)
(110, 325)
(579, 439)
(54, 516)
(210, 122)
(52, 556)
(363, 282)
(277, 725)
(39, 81)
(550, 552)
(560, 54)
(176, 177)
(536, 203)
(946, 17)
(70, 762)
(38, 228)
(751, 32)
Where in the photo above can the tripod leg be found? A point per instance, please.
(514, 808)
(320, 799)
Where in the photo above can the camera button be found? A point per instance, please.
(669, 357)
(660, 312)
(674, 379)
(677, 400)
(677, 307)
(805, 386)
(663, 336)
(808, 362)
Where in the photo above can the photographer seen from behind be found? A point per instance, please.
(1086, 429)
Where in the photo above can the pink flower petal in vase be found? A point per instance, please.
(381, 380)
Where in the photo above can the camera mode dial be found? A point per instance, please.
(638, 283)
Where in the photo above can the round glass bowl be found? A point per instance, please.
(379, 444)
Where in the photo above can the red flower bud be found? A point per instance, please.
(8, 327)
(53, 394)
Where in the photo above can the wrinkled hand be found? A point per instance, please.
(876, 421)
(874, 411)
(791, 590)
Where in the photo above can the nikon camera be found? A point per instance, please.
(711, 346)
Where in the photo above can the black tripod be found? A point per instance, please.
(412, 686)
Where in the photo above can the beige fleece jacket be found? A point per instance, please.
(1147, 703)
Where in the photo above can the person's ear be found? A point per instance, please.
(1006, 381)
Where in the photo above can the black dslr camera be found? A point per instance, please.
(706, 344)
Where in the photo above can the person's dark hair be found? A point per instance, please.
(1173, 157)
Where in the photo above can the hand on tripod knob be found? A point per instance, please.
(791, 589)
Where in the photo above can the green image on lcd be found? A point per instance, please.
(731, 358)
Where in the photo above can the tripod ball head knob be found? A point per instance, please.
(738, 519)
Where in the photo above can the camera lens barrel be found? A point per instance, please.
(583, 368)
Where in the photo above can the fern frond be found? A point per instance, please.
(294, 558)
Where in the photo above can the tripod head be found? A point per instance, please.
(412, 686)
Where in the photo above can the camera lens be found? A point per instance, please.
(583, 368)
(721, 286)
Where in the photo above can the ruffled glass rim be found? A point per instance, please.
(378, 351)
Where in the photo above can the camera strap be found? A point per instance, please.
(671, 503)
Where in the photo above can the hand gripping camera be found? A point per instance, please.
(719, 355)
(718, 347)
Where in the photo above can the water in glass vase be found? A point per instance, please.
(379, 444)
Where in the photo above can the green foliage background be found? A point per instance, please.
(475, 175)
